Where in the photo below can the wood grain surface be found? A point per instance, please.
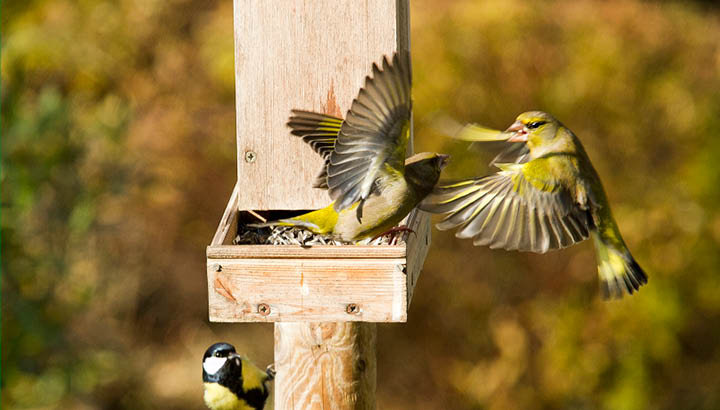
(306, 54)
(298, 252)
(307, 290)
(325, 366)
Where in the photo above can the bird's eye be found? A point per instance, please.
(217, 354)
(535, 124)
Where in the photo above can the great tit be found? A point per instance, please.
(231, 381)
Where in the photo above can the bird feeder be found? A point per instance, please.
(324, 299)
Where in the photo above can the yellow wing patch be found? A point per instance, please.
(253, 378)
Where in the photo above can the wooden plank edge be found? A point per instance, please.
(229, 216)
(417, 249)
(257, 318)
(314, 252)
(247, 306)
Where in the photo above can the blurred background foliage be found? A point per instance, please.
(118, 156)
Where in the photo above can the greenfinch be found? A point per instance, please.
(231, 382)
(365, 172)
(547, 195)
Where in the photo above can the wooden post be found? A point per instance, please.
(325, 365)
(313, 55)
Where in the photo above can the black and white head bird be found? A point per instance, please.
(231, 381)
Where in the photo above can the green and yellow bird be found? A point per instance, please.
(231, 381)
(365, 172)
(547, 196)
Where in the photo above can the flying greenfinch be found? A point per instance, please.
(365, 172)
(547, 195)
(232, 382)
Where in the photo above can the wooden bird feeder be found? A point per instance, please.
(324, 300)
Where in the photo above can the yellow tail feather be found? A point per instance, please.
(619, 273)
(321, 221)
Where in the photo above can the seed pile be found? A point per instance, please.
(285, 235)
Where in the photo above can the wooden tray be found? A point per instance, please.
(323, 283)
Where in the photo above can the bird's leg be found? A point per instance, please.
(394, 231)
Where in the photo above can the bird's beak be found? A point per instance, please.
(235, 356)
(518, 131)
(444, 159)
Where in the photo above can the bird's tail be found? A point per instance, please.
(320, 221)
(285, 222)
(618, 270)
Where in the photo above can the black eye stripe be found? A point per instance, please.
(535, 124)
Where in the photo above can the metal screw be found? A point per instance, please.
(217, 267)
(250, 156)
(352, 309)
(263, 309)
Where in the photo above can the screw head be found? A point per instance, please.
(263, 309)
(250, 156)
(352, 309)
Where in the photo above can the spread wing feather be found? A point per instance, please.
(374, 135)
(320, 131)
(504, 210)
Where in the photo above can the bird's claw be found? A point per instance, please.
(394, 231)
(270, 370)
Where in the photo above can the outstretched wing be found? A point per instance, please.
(373, 138)
(320, 131)
(516, 153)
(506, 210)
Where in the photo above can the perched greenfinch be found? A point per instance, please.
(365, 172)
(547, 195)
(231, 381)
